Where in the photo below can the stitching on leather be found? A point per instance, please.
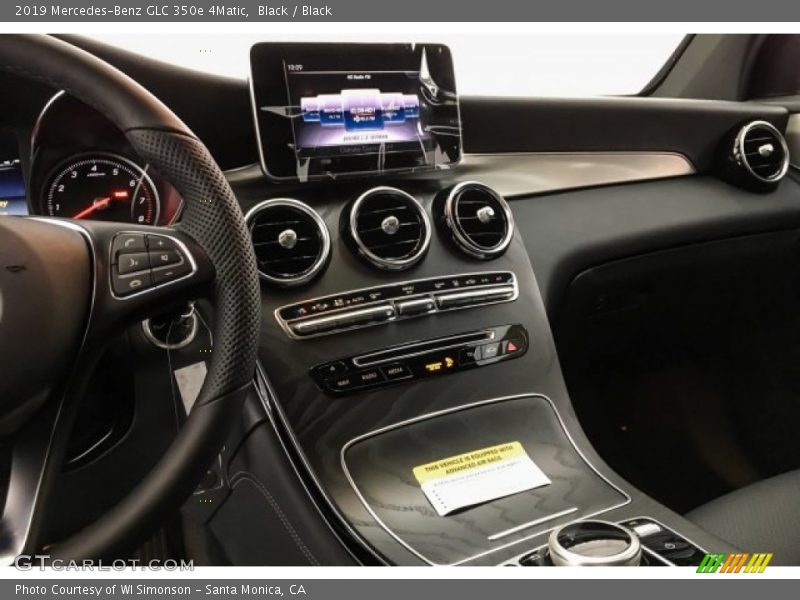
(245, 475)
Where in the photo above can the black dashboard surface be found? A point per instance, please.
(570, 232)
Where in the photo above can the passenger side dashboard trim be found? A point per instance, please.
(524, 174)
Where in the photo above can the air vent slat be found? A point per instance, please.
(290, 241)
(389, 228)
(277, 243)
(401, 225)
(289, 259)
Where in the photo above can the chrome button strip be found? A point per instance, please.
(393, 306)
(474, 296)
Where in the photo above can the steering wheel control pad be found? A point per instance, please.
(141, 261)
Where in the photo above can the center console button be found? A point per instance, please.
(451, 300)
(309, 326)
(415, 307)
(304, 327)
(334, 368)
(645, 529)
(341, 383)
(468, 356)
(489, 351)
(534, 559)
(370, 377)
(396, 371)
(366, 315)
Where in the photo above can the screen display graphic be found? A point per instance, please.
(360, 117)
(328, 110)
(12, 182)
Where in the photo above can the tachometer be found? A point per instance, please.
(102, 186)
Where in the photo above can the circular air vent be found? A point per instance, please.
(477, 219)
(389, 228)
(761, 150)
(290, 240)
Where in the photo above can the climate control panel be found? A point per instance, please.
(373, 306)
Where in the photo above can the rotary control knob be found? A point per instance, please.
(594, 543)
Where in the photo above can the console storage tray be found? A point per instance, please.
(380, 468)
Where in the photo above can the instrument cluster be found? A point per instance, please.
(82, 167)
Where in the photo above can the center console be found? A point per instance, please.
(373, 373)
(408, 361)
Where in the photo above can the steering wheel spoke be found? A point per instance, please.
(171, 268)
(30, 452)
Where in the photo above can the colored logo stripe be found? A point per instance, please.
(758, 563)
(735, 562)
(711, 562)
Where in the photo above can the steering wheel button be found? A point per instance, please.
(171, 273)
(158, 243)
(164, 258)
(127, 242)
(129, 284)
(131, 263)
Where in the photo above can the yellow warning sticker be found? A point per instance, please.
(479, 476)
(470, 460)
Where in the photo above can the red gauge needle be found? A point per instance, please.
(101, 203)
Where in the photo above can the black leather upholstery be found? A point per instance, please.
(763, 517)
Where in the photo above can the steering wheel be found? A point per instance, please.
(65, 289)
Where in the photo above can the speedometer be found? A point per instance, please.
(102, 186)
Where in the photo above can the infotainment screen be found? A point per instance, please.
(325, 110)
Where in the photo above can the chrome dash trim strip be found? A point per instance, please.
(517, 174)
